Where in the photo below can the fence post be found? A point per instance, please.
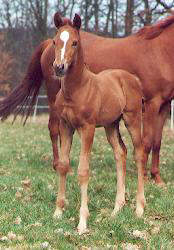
(172, 114)
(35, 110)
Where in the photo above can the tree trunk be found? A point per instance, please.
(148, 17)
(129, 17)
(96, 15)
(108, 17)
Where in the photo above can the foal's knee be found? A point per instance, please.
(147, 143)
(54, 130)
(53, 126)
(62, 168)
(140, 154)
(83, 175)
(121, 155)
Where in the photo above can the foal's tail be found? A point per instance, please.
(23, 97)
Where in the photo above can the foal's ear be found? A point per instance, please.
(77, 22)
(58, 20)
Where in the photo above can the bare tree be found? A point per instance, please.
(86, 12)
(129, 17)
(63, 6)
(108, 16)
(39, 11)
(6, 68)
(167, 8)
(148, 12)
(96, 15)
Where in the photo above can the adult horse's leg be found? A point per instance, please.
(53, 126)
(63, 167)
(87, 135)
(120, 152)
(155, 172)
(150, 119)
(133, 123)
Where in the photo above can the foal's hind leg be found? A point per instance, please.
(155, 171)
(63, 167)
(87, 135)
(53, 126)
(120, 152)
(133, 124)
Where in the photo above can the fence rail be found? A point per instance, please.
(36, 107)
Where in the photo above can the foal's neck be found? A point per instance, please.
(76, 76)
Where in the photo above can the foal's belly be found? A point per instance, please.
(109, 113)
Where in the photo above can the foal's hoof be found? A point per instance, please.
(117, 208)
(139, 212)
(140, 205)
(82, 227)
(58, 213)
(82, 231)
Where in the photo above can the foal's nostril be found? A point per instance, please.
(59, 69)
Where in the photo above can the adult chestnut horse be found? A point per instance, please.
(149, 54)
(87, 100)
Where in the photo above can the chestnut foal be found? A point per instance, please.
(86, 100)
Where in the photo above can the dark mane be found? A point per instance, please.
(150, 32)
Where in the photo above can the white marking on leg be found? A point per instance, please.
(84, 212)
(64, 36)
(58, 213)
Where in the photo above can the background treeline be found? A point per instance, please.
(24, 23)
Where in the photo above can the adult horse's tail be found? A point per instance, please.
(23, 97)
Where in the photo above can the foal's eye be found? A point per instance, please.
(74, 44)
(54, 42)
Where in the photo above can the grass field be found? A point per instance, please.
(28, 187)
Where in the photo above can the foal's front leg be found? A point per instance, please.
(66, 135)
(87, 135)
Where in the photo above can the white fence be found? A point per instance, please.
(36, 107)
(172, 115)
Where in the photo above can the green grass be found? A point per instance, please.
(25, 153)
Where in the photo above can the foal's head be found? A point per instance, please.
(65, 43)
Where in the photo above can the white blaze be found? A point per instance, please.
(64, 36)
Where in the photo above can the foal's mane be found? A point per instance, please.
(152, 31)
(66, 21)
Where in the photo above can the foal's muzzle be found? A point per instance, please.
(60, 70)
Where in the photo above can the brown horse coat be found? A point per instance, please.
(149, 54)
(86, 100)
